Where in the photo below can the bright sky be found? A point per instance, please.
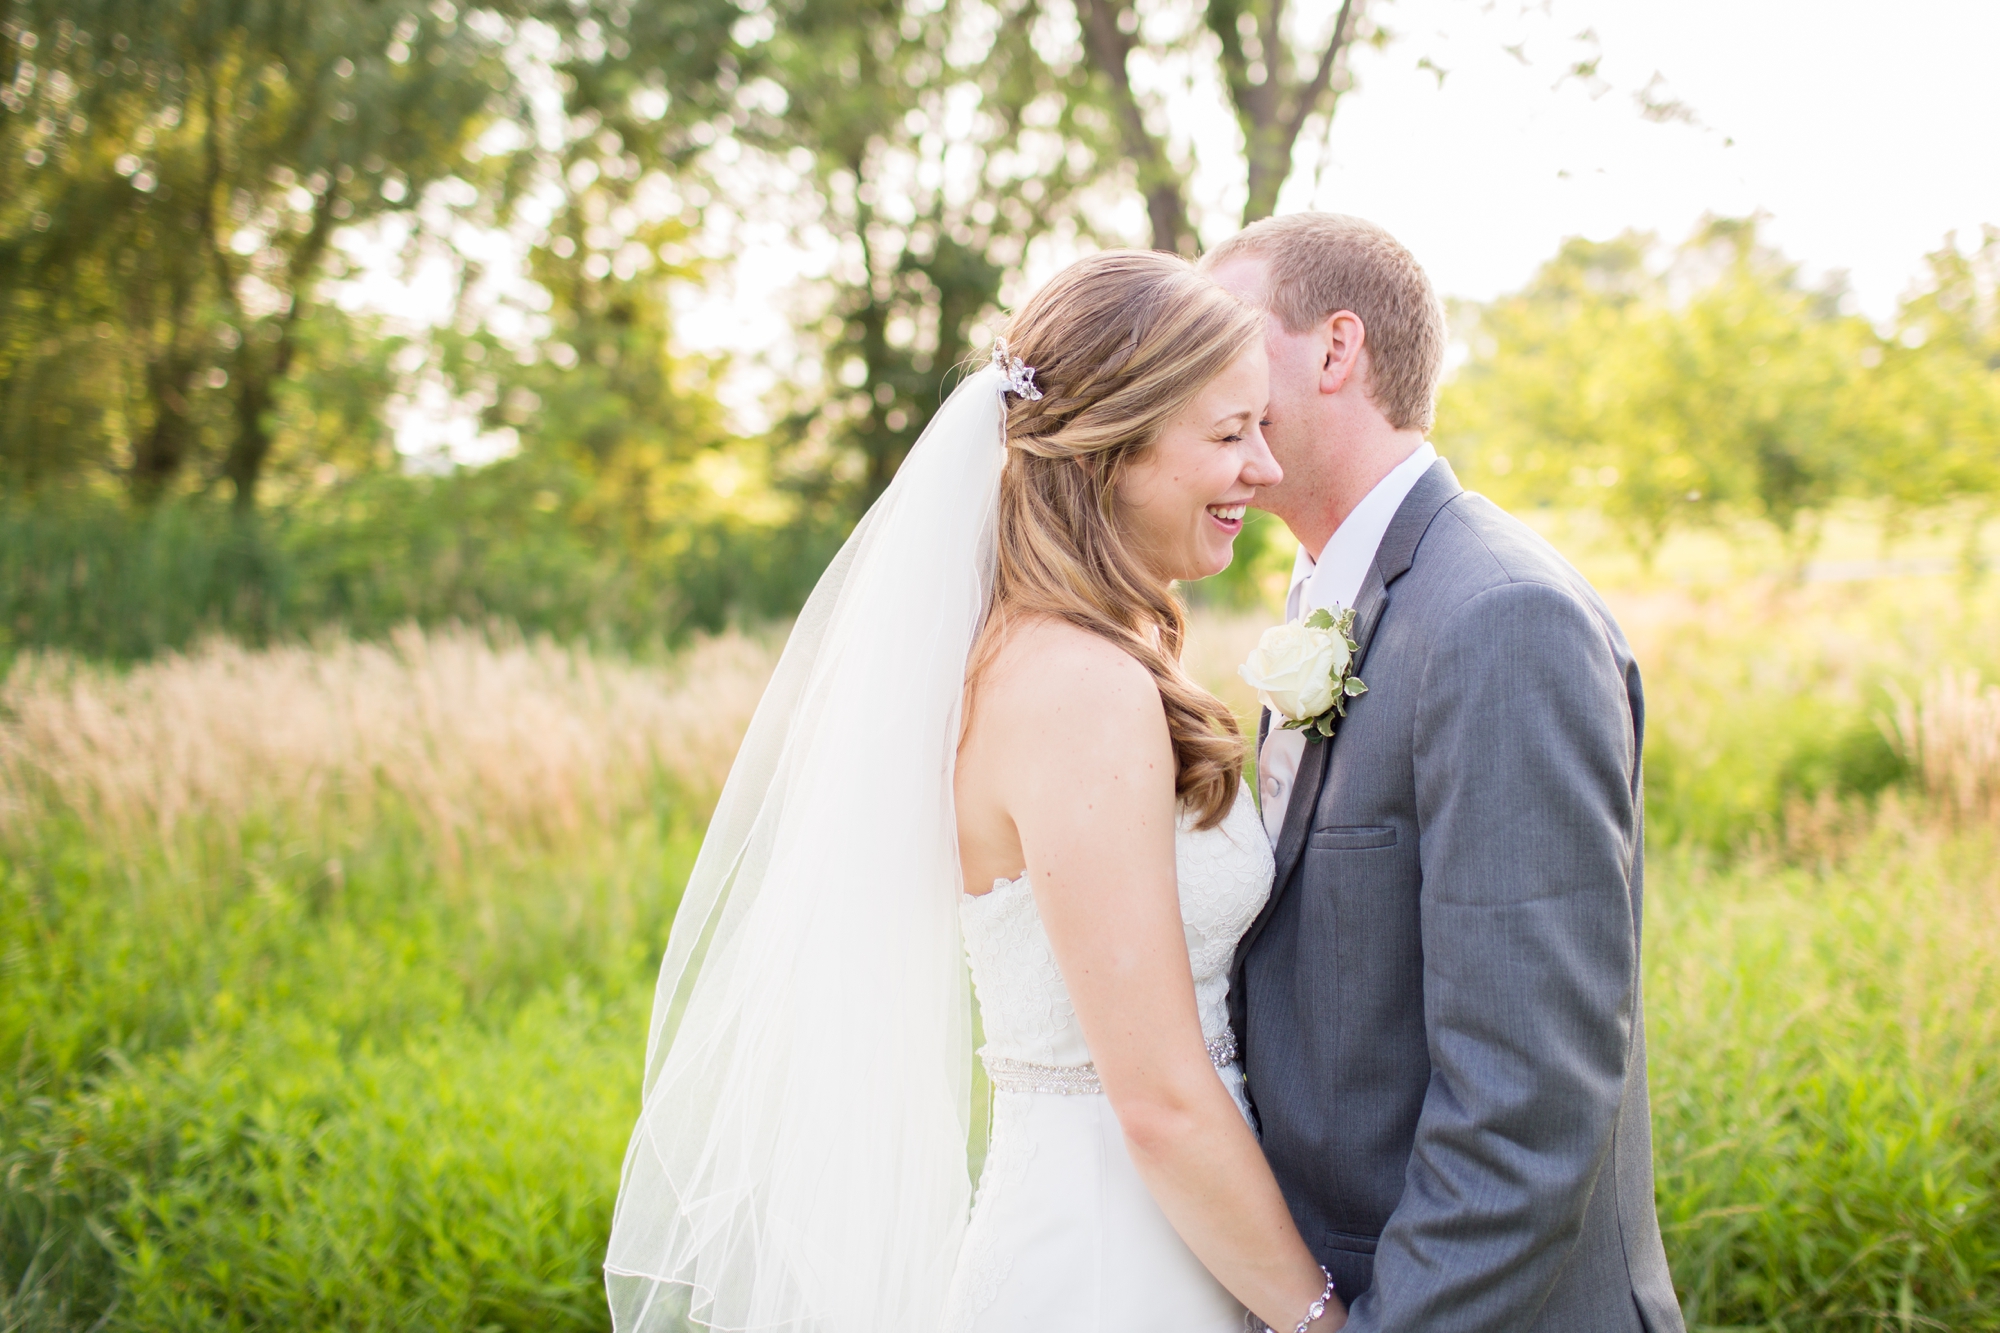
(1865, 132)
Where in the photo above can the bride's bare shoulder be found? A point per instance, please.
(1049, 672)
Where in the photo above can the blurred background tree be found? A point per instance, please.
(194, 197)
(935, 148)
(1709, 386)
(1280, 69)
(175, 175)
(1934, 406)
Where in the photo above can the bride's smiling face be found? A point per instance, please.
(1181, 502)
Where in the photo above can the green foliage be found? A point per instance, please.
(936, 149)
(86, 574)
(175, 176)
(299, 1092)
(1719, 792)
(1720, 390)
(1858, 759)
(1759, 700)
(1935, 404)
(1825, 1084)
(521, 540)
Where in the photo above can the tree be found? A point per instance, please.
(1277, 75)
(1934, 401)
(1110, 30)
(928, 143)
(1554, 406)
(1276, 84)
(1597, 387)
(928, 147)
(194, 159)
(1765, 370)
(605, 392)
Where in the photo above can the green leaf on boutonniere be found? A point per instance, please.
(1354, 686)
(1321, 619)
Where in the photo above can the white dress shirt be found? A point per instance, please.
(1334, 580)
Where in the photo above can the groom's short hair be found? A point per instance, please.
(1321, 263)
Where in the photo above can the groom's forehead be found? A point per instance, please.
(1248, 276)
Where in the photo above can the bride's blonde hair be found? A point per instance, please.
(1120, 343)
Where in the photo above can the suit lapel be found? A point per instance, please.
(1313, 765)
(1368, 607)
(1393, 558)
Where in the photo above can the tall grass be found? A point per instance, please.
(326, 973)
(324, 969)
(477, 737)
(1826, 1078)
(1951, 735)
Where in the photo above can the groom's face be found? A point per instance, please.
(1292, 429)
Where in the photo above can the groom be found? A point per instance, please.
(1439, 1007)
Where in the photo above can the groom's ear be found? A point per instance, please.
(1342, 337)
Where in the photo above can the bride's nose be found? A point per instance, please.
(1260, 466)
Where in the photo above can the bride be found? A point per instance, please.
(979, 744)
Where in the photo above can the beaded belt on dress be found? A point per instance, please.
(1077, 1080)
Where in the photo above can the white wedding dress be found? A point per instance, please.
(1065, 1237)
(799, 1160)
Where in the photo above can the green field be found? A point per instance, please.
(325, 970)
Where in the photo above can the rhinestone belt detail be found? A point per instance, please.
(1075, 1080)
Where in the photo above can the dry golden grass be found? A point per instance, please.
(490, 739)
(486, 738)
(1218, 641)
(1950, 733)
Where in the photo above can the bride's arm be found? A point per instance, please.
(1086, 774)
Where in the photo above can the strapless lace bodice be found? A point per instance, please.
(1225, 875)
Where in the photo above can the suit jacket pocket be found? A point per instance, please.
(1352, 839)
(1350, 1242)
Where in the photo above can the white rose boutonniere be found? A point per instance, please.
(1304, 671)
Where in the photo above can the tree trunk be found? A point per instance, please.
(244, 464)
(1272, 111)
(1269, 154)
(161, 451)
(1109, 46)
(157, 455)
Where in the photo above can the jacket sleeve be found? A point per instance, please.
(1525, 770)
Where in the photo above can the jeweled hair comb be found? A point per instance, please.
(1020, 378)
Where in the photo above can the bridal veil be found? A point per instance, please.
(800, 1161)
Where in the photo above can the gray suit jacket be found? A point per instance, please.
(1439, 1007)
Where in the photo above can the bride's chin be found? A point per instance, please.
(1210, 568)
(1199, 564)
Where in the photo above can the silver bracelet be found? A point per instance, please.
(1313, 1311)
